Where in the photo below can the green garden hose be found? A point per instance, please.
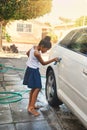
(7, 97)
(4, 69)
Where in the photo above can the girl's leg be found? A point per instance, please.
(32, 102)
(30, 97)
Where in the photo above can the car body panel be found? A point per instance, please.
(71, 79)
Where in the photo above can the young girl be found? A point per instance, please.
(32, 76)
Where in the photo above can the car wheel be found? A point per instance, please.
(50, 90)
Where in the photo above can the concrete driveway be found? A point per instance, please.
(13, 110)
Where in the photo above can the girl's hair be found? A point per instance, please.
(48, 38)
(45, 42)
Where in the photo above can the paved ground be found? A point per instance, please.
(14, 115)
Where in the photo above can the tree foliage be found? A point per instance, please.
(23, 9)
(82, 21)
(54, 37)
(34, 8)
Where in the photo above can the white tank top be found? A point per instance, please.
(32, 61)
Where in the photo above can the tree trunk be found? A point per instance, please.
(0, 37)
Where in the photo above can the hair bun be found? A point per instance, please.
(48, 38)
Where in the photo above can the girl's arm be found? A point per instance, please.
(41, 59)
(27, 53)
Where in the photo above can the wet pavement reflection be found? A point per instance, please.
(13, 111)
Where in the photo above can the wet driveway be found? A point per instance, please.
(13, 111)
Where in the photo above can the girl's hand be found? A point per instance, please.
(57, 60)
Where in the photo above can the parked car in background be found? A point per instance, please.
(66, 82)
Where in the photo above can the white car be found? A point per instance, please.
(66, 81)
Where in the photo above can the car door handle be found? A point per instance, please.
(85, 71)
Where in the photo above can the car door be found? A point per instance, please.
(73, 73)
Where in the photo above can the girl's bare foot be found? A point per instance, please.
(33, 112)
(35, 107)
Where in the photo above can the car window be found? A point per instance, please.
(76, 41)
(79, 42)
(66, 40)
(83, 43)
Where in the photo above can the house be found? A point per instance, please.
(30, 31)
(62, 29)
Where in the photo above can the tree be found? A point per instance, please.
(82, 21)
(54, 37)
(22, 9)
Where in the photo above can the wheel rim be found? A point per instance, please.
(50, 87)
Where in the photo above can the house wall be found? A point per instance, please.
(25, 37)
(39, 30)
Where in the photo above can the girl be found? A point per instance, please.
(32, 76)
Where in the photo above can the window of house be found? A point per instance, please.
(24, 27)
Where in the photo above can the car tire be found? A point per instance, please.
(50, 90)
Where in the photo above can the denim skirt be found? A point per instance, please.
(32, 78)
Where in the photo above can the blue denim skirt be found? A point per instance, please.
(32, 78)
